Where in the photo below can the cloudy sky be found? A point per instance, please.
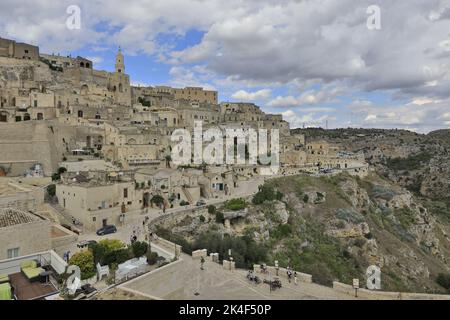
(314, 61)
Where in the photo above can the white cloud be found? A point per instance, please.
(95, 60)
(247, 45)
(306, 120)
(425, 116)
(246, 96)
(326, 94)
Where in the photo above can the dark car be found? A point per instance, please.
(106, 230)
(201, 203)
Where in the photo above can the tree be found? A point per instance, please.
(117, 256)
(139, 249)
(61, 170)
(444, 281)
(219, 217)
(211, 209)
(102, 250)
(112, 244)
(157, 200)
(51, 190)
(152, 257)
(266, 193)
(85, 261)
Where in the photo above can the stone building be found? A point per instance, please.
(23, 233)
(62, 62)
(99, 198)
(18, 50)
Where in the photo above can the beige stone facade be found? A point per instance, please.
(13, 49)
(22, 233)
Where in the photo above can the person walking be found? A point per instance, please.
(202, 262)
(295, 278)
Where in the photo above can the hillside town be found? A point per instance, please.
(86, 154)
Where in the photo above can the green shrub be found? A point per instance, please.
(184, 203)
(202, 218)
(266, 193)
(85, 261)
(51, 190)
(117, 256)
(139, 249)
(244, 250)
(444, 281)
(413, 162)
(305, 198)
(157, 200)
(219, 217)
(211, 209)
(282, 231)
(236, 204)
(382, 192)
(62, 170)
(103, 249)
(152, 257)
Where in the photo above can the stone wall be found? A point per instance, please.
(24, 144)
(383, 295)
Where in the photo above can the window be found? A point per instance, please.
(13, 253)
(94, 219)
(26, 51)
(125, 193)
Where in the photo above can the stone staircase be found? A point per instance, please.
(188, 195)
(66, 217)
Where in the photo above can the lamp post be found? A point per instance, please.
(276, 267)
(356, 286)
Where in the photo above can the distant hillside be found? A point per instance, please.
(332, 228)
(418, 162)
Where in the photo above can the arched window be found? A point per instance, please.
(80, 113)
(82, 64)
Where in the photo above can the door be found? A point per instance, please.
(105, 222)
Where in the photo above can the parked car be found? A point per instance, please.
(86, 243)
(106, 230)
(201, 202)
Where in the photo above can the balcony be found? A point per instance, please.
(15, 284)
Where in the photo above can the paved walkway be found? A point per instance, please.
(183, 280)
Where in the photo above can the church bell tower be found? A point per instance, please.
(120, 65)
